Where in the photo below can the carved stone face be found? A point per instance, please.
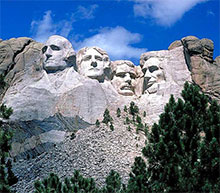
(153, 74)
(124, 77)
(56, 52)
(93, 62)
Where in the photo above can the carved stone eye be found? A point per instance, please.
(44, 49)
(86, 58)
(132, 76)
(153, 68)
(56, 48)
(121, 75)
(98, 58)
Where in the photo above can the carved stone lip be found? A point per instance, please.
(49, 60)
(94, 69)
(126, 87)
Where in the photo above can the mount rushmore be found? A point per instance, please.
(52, 89)
(55, 91)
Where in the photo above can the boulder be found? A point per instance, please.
(175, 44)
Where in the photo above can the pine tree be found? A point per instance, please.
(111, 127)
(2, 81)
(12, 179)
(113, 183)
(138, 181)
(179, 158)
(125, 109)
(106, 117)
(133, 109)
(209, 151)
(77, 184)
(118, 112)
(7, 177)
(97, 123)
(127, 120)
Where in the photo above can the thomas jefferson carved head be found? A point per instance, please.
(92, 62)
(153, 73)
(57, 54)
(124, 75)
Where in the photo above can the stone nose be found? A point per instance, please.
(147, 75)
(128, 78)
(48, 56)
(94, 64)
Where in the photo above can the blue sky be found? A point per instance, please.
(124, 28)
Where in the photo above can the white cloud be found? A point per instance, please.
(42, 29)
(165, 12)
(210, 13)
(87, 13)
(117, 42)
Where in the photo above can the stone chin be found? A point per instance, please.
(93, 73)
(126, 91)
(54, 65)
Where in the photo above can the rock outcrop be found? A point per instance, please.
(199, 58)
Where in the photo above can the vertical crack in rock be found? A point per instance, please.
(15, 55)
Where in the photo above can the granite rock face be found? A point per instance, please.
(18, 55)
(49, 105)
(204, 69)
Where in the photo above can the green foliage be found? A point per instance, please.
(81, 184)
(107, 118)
(138, 119)
(50, 184)
(97, 123)
(118, 112)
(133, 109)
(12, 179)
(125, 109)
(111, 127)
(144, 114)
(127, 120)
(76, 184)
(179, 158)
(129, 128)
(5, 112)
(113, 183)
(2, 81)
(7, 177)
(138, 181)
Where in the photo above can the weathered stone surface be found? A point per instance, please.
(168, 78)
(175, 44)
(217, 61)
(94, 151)
(193, 45)
(19, 57)
(205, 71)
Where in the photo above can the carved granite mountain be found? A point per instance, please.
(55, 92)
